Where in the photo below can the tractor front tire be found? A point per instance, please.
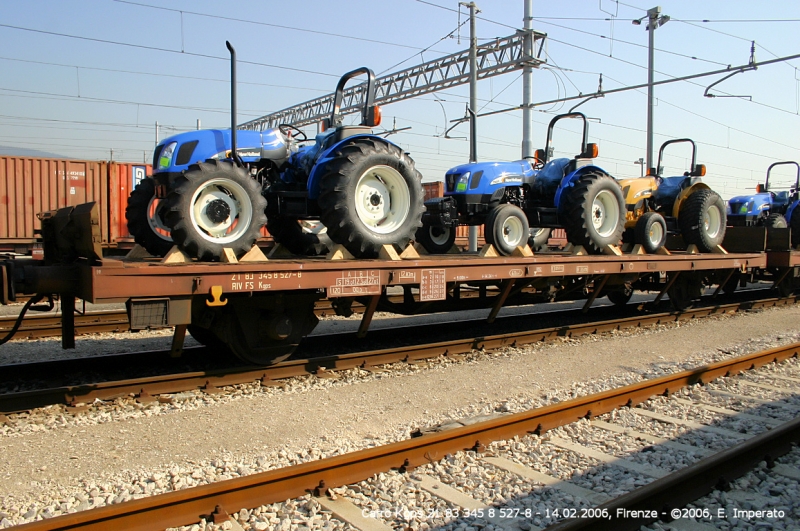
(702, 220)
(145, 223)
(371, 195)
(538, 238)
(215, 205)
(595, 212)
(436, 240)
(507, 228)
(291, 234)
(651, 231)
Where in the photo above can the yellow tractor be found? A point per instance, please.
(682, 205)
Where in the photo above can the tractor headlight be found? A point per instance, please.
(165, 158)
(461, 184)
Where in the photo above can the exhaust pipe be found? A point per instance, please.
(234, 154)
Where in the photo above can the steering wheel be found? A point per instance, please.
(292, 132)
(537, 164)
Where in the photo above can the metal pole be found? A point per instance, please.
(651, 29)
(527, 82)
(156, 133)
(473, 106)
(198, 124)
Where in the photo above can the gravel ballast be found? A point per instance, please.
(55, 462)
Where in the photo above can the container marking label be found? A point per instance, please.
(433, 285)
(356, 283)
(557, 268)
(581, 270)
(515, 273)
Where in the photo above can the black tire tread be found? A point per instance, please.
(578, 225)
(691, 215)
(137, 212)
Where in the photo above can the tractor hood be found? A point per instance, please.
(178, 152)
(478, 176)
(749, 204)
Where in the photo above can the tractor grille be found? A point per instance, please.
(450, 181)
(741, 207)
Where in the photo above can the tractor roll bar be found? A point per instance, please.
(336, 118)
(797, 182)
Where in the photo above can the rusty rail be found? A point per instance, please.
(188, 506)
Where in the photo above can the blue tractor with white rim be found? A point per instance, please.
(767, 208)
(509, 198)
(207, 193)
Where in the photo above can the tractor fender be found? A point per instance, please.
(686, 192)
(315, 176)
(569, 181)
(790, 211)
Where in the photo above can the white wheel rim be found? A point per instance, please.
(605, 213)
(382, 199)
(535, 233)
(712, 221)
(512, 231)
(157, 225)
(236, 199)
(442, 236)
(656, 233)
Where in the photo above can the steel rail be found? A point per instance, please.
(210, 381)
(689, 484)
(187, 506)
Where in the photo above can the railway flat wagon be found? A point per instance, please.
(31, 185)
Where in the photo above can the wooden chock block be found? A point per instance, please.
(410, 253)
(612, 250)
(339, 252)
(419, 249)
(488, 251)
(577, 250)
(279, 251)
(176, 256)
(692, 249)
(629, 248)
(637, 249)
(388, 252)
(228, 256)
(719, 250)
(137, 253)
(523, 251)
(254, 255)
(455, 249)
(663, 250)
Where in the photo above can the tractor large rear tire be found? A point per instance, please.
(215, 205)
(775, 221)
(702, 220)
(145, 222)
(595, 212)
(291, 234)
(371, 195)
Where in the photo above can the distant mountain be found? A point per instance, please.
(27, 152)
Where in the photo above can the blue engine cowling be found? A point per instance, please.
(749, 209)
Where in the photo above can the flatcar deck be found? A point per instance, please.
(120, 280)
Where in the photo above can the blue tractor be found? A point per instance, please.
(519, 202)
(210, 191)
(768, 208)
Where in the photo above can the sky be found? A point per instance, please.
(89, 79)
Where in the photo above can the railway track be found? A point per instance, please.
(147, 388)
(745, 412)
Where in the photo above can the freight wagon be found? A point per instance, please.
(32, 185)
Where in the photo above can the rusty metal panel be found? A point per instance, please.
(122, 179)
